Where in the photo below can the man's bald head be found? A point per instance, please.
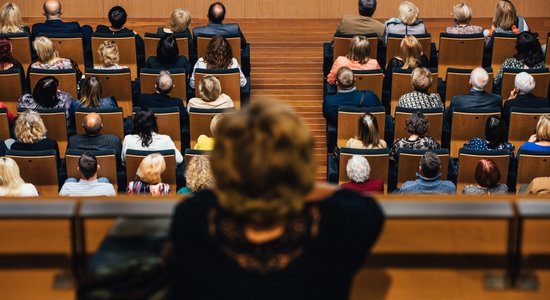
(165, 83)
(52, 9)
(92, 124)
(216, 13)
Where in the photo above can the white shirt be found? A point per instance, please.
(90, 188)
(201, 64)
(160, 142)
(223, 101)
(27, 190)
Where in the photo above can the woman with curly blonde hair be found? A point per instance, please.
(198, 175)
(109, 56)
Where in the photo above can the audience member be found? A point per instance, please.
(93, 139)
(205, 142)
(428, 181)
(218, 56)
(91, 96)
(347, 96)
(411, 57)
(263, 165)
(356, 59)
(368, 136)
(539, 186)
(462, 16)
(407, 23)
(11, 183)
(48, 57)
(364, 23)
(179, 25)
(506, 20)
(145, 137)
(358, 171)
(417, 126)
(117, 18)
(54, 24)
(216, 15)
(540, 141)
(7, 61)
(148, 177)
(109, 56)
(495, 137)
(89, 185)
(162, 99)
(522, 96)
(198, 175)
(487, 175)
(211, 96)
(11, 20)
(420, 98)
(46, 95)
(168, 55)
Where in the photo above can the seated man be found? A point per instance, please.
(364, 23)
(522, 96)
(89, 184)
(54, 24)
(428, 181)
(216, 14)
(93, 140)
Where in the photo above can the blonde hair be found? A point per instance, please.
(408, 13)
(263, 163)
(411, 52)
(29, 127)
(90, 92)
(359, 49)
(505, 15)
(10, 18)
(108, 53)
(367, 129)
(180, 20)
(151, 168)
(543, 128)
(462, 13)
(421, 79)
(210, 88)
(198, 174)
(45, 49)
(214, 123)
(10, 177)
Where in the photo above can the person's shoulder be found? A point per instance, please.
(200, 202)
(350, 203)
(448, 185)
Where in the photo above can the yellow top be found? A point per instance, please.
(204, 143)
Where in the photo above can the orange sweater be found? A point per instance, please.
(343, 61)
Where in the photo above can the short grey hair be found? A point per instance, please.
(479, 78)
(164, 82)
(525, 83)
(358, 169)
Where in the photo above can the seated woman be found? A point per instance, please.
(11, 183)
(417, 126)
(117, 18)
(7, 61)
(145, 137)
(411, 57)
(148, 177)
(180, 19)
(407, 23)
(218, 56)
(369, 138)
(109, 56)
(540, 141)
(11, 20)
(198, 175)
(48, 57)
(506, 20)
(264, 235)
(205, 142)
(358, 171)
(487, 176)
(46, 95)
(495, 137)
(462, 16)
(358, 58)
(91, 96)
(420, 98)
(168, 55)
(210, 90)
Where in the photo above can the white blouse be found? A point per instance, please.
(201, 64)
(160, 142)
(27, 190)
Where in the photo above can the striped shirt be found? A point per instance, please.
(87, 188)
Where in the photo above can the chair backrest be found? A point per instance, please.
(548, 55)
(126, 46)
(148, 79)
(467, 162)
(190, 153)
(134, 158)
(229, 79)
(168, 122)
(541, 76)
(401, 85)
(532, 164)
(106, 159)
(11, 88)
(409, 160)
(342, 43)
(67, 79)
(55, 121)
(151, 41)
(458, 82)
(379, 160)
(69, 46)
(199, 122)
(21, 44)
(4, 124)
(234, 41)
(371, 80)
(393, 45)
(348, 119)
(434, 117)
(504, 46)
(116, 83)
(468, 124)
(111, 118)
(38, 168)
(523, 123)
(460, 51)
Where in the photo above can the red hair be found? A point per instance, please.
(6, 56)
(487, 173)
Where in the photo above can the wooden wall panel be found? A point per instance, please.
(276, 8)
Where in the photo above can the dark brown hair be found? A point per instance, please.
(218, 55)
